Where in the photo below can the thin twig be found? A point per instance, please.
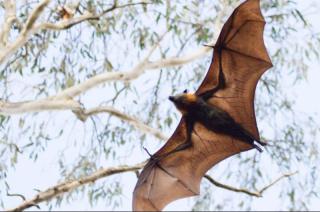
(16, 195)
(246, 191)
(230, 188)
(84, 114)
(277, 180)
(115, 6)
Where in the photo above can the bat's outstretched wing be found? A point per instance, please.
(241, 56)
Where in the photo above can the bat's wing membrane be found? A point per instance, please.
(243, 59)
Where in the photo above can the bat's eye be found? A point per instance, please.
(185, 91)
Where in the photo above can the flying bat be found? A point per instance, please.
(218, 120)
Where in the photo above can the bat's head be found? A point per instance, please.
(184, 101)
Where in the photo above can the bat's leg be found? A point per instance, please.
(188, 142)
(182, 146)
(257, 147)
(261, 143)
(253, 139)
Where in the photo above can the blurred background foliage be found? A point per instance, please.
(54, 60)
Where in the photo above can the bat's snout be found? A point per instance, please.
(171, 98)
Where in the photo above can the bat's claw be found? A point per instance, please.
(152, 157)
(257, 147)
(145, 149)
(262, 143)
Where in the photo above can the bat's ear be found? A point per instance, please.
(185, 91)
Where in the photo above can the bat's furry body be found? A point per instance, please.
(195, 109)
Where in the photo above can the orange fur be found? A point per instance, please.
(191, 97)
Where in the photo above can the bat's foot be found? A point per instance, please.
(257, 147)
(208, 45)
(262, 143)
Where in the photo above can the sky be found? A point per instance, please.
(307, 101)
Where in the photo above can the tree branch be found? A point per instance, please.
(10, 17)
(30, 28)
(71, 185)
(33, 17)
(134, 73)
(66, 24)
(115, 6)
(131, 74)
(64, 100)
(141, 67)
(246, 191)
(277, 180)
(27, 30)
(84, 114)
(9, 108)
(105, 77)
